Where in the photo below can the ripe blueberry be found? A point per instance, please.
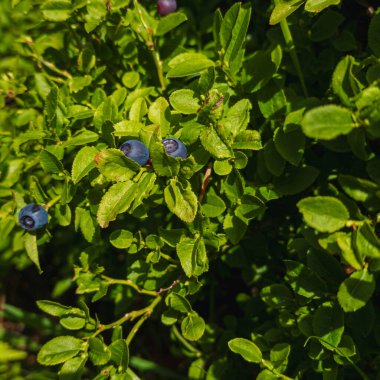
(136, 151)
(32, 217)
(175, 148)
(165, 7)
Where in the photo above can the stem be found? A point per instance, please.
(152, 48)
(114, 281)
(170, 259)
(146, 313)
(185, 343)
(292, 51)
(205, 183)
(274, 371)
(53, 202)
(158, 63)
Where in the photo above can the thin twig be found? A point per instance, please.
(114, 281)
(205, 182)
(175, 282)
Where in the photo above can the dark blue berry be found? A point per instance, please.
(33, 217)
(136, 151)
(175, 148)
(164, 7)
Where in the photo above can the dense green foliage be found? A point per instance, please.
(256, 256)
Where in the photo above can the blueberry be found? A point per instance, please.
(165, 7)
(136, 151)
(32, 217)
(175, 148)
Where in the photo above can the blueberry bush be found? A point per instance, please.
(189, 189)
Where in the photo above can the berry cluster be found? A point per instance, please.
(138, 151)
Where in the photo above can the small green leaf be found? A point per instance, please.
(53, 308)
(59, 349)
(186, 64)
(250, 140)
(325, 214)
(283, 9)
(181, 200)
(171, 21)
(355, 291)
(115, 201)
(192, 255)
(328, 323)
(50, 163)
(327, 122)
(193, 327)
(214, 206)
(99, 353)
(214, 144)
(303, 280)
(121, 239)
(56, 10)
(184, 101)
(277, 295)
(30, 244)
(114, 165)
(83, 163)
(178, 303)
(319, 5)
(120, 353)
(72, 369)
(247, 349)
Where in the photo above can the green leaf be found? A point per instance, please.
(164, 165)
(99, 353)
(233, 32)
(178, 303)
(303, 280)
(234, 228)
(56, 10)
(82, 138)
(327, 122)
(192, 255)
(121, 239)
(250, 140)
(193, 327)
(214, 206)
(59, 349)
(249, 208)
(181, 200)
(115, 166)
(328, 323)
(116, 200)
(374, 34)
(72, 369)
(184, 101)
(319, 5)
(214, 144)
(247, 349)
(159, 113)
(50, 163)
(30, 244)
(186, 64)
(325, 214)
(366, 242)
(171, 21)
(120, 354)
(277, 296)
(279, 355)
(355, 291)
(53, 308)
(283, 9)
(291, 145)
(83, 163)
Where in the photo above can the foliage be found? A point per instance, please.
(256, 256)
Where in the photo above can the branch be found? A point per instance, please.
(114, 281)
(205, 182)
